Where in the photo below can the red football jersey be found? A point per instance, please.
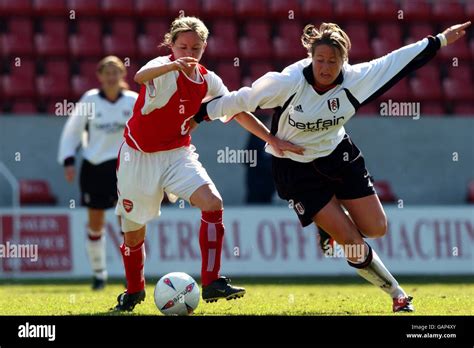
(166, 104)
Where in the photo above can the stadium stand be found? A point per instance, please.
(255, 31)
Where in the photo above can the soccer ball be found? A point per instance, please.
(177, 293)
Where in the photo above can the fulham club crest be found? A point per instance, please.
(333, 104)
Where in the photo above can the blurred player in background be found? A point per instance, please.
(315, 97)
(112, 106)
(157, 157)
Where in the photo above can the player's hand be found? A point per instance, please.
(456, 32)
(281, 145)
(69, 173)
(184, 63)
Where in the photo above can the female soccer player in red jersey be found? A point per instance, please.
(157, 157)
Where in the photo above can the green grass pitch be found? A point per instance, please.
(265, 296)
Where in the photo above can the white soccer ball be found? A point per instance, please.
(177, 293)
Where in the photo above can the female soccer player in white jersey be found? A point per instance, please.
(111, 107)
(314, 98)
(157, 157)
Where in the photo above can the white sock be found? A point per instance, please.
(376, 273)
(96, 253)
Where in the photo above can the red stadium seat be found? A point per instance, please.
(225, 29)
(257, 70)
(217, 9)
(399, 92)
(464, 109)
(125, 28)
(462, 72)
(156, 28)
(353, 9)
(419, 31)
(81, 84)
(118, 7)
(384, 191)
(50, 8)
(258, 29)
(425, 88)
(230, 75)
(151, 8)
(15, 8)
(20, 80)
(87, 40)
(88, 69)
(370, 109)
(18, 40)
(382, 46)
(24, 107)
(122, 41)
(459, 50)
(148, 46)
(149, 42)
(221, 48)
(390, 32)
(184, 7)
(382, 10)
(430, 71)
(469, 10)
(432, 109)
(288, 9)
(470, 192)
(457, 90)
(53, 40)
(251, 9)
(131, 71)
(448, 10)
(35, 192)
(252, 48)
(317, 11)
(290, 29)
(85, 8)
(359, 35)
(288, 48)
(416, 10)
(56, 82)
(471, 48)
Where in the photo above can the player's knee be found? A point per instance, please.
(213, 203)
(377, 229)
(134, 233)
(134, 238)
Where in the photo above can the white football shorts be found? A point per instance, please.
(142, 179)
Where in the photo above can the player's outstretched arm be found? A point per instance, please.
(254, 126)
(151, 73)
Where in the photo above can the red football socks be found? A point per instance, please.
(134, 262)
(211, 235)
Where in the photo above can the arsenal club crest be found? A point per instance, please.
(333, 104)
(127, 205)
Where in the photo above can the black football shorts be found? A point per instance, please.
(310, 186)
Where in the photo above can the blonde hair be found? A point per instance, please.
(115, 62)
(184, 24)
(328, 34)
